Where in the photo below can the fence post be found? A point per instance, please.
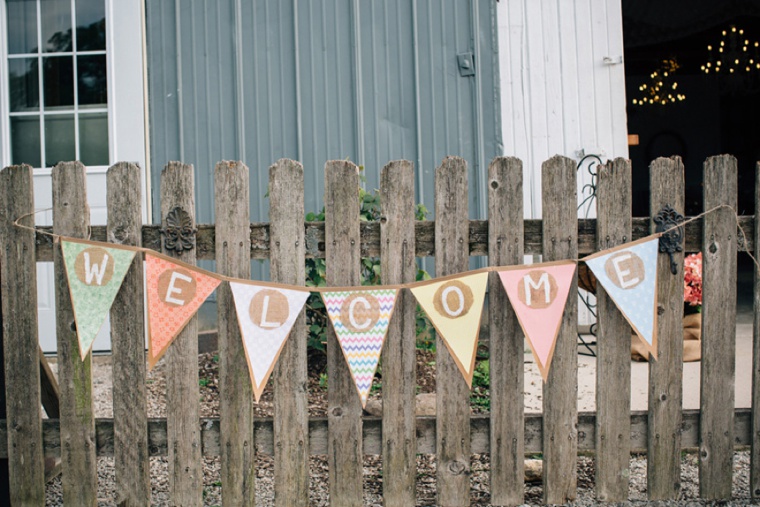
(666, 373)
(182, 395)
(343, 265)
(452, 255)
(754, 480)
(716, 422)
(613, 349)
(233, 258)
(71, 217)
(505, 247)
(291, 402)
(397, 265)
(18, 283)
(560, 242)
(130, 406)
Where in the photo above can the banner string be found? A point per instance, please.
(57, 238)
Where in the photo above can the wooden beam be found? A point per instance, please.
(424, 235)
(480, 428)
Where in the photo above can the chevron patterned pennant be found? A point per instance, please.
(360, 319)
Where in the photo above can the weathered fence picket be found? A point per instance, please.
(18, 282)
(130, 404)
(507, 433)
(343, 266)
(183, 432)
(233, 245)
(560, 242)
(452, 393)
(754, 478)
(71, 217)
(716, 449)
(397, 265)
(505, 230)
(291, 403)
(666, 373)
(613, 343)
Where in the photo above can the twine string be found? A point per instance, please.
(58, 237)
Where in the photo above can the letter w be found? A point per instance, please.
(94, 270)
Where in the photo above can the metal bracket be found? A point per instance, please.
(179, 233)
(672, 241)
(466, 62)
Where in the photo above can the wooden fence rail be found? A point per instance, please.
(345, 436)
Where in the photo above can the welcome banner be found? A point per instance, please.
(538, 294)
(454, 306)
(266, 315)
(360, 319)
(95, 273)
(175, 292)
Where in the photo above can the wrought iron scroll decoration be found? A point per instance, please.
(589, 162)
(179, 233)
(667, 219)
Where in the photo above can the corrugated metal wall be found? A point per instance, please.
(258, 80)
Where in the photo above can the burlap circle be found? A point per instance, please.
(277, 309)
(536, 288)
(95, 257)
(182, 290)
(458, 299)
(360, 312)
(629, 266)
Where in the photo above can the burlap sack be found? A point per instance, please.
(692, 340)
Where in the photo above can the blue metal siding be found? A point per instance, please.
(371, 81)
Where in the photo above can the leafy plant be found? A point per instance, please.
(481, 382)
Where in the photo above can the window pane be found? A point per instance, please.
(22, 26)
(56, 25)
(59, 139)
(93, 86)
(58, 81)
(24, 84)
(25, 140)
(93, 139)
(91, 25)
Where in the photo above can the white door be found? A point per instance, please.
(71, 88)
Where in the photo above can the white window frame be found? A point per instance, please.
(127, 89)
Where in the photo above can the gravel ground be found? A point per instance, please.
(480, 464)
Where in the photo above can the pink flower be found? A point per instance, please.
(692, 279)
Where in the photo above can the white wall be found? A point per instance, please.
(562, 84)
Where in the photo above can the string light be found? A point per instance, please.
(736, 55)
(661, 88)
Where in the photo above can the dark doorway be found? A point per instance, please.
(682, 96)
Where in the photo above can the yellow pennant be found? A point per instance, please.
(454, 306)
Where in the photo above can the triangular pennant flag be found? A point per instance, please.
(95, 273)
(265, 315)
(628, 274)
(360, 319)
(538, 294)
(454, 307)
(175, 293)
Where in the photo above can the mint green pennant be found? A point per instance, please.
(95, 274)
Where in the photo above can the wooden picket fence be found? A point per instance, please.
(345, 436)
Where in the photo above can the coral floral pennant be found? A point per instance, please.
(265, 315)
(628, 274)
(538, 294)
(95, 273)
(454, 307)
(175, 293)
(360, 319)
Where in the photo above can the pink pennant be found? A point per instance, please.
(538, 294)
